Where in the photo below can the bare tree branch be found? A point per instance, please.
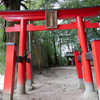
(24, 6)
(29, 4)
(3, 24)
(96, 32)
(5, 1)
(1, 2)
(43, 4)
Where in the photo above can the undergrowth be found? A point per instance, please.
(2, 52)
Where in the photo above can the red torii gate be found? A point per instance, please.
(23, 17)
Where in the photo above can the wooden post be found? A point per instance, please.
(96, 59)
(22, 66)
(86, 63)
(78, 69)
(28, 72)
(10, 65)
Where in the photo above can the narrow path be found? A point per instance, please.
(60, 83)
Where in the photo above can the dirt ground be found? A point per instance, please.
(60, 83)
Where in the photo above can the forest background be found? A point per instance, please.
(50, 45)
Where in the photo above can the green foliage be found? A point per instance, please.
(68, 37)
(2, 44)
(2, 7)
(2, 52)
(79, 3)
(90, 33)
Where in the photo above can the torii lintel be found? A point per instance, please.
(30, 27)
(37, 15)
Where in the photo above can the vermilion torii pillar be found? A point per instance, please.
(79, 69)
(86, 63)
(10, 65)
(28, 70)
(22, 66)
(96, 59)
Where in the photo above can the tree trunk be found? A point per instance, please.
(60, 51)
(49, 60)
(13, 37)
(55, 55)
(49, 57)
(12, 5)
